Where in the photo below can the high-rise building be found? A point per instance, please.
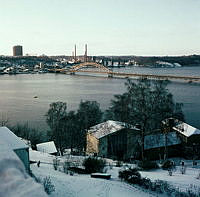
(17, 50)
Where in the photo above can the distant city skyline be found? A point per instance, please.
(109, 27)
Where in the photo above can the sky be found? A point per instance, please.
(109, 27)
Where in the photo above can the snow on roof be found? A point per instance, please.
(186, 129)
(13, 142)
(107, 128)
(47, 147)
(6, 152)
(158, 140)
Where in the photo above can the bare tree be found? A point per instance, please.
(146, 103)
(55, 114)
(4, 120)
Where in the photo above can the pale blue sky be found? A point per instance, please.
(109, 27)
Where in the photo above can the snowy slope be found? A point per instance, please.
(182, 181)
(85, 186)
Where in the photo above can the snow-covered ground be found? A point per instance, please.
(85, 186)
(181, 181)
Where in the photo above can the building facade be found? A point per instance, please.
(17, 50)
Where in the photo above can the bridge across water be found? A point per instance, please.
(104, 70)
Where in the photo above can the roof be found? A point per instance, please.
(47, 147)
(158, 140)
(107, 128)
(13, 142)
(186, 129)
(6, 152)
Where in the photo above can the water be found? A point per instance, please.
(17, 93)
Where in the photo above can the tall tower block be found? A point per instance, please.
(17, 50)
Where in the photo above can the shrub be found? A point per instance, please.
(93, 164)
(47, 184)
(55, 163)
(158, 186)
(66, 166)
(168, 165)
(183, 169)
(119, 164)
(131, 175)
(77, 170)
(148, 165)
(146, 183)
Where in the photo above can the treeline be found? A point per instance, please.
(146, 103)
(26, 60)
(191, 60)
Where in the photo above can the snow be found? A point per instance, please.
(6, 152)
(177, 65)
(167, 64)
(158, 140)
(11, 139)
(15, 182)
(186, 129)
(47, 147)
(13, 178)
(107, 128)
(182, 181)
(84, 185)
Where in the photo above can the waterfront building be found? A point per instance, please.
(17, 50)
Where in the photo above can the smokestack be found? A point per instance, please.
(75, 53)
(85, 52)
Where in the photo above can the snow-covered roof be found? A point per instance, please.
(6, 152)
(107, 128)
(158, 140)
(47, 147)
(13, 142)
(186, 129)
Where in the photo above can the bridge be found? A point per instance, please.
(101, 69)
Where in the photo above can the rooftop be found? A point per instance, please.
(47, 147)
(158, 140)
(107, 128)
(186, 129)
(13, 142)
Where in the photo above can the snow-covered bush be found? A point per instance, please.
(119, 164)
(93, 164)
(66, 166)
(130, 175)
(183, 169)
(148, 165)
(198, 176)
(55, 163)
(47, 184)
(170, 172)
(168, 164)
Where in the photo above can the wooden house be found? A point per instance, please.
(111, 139)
